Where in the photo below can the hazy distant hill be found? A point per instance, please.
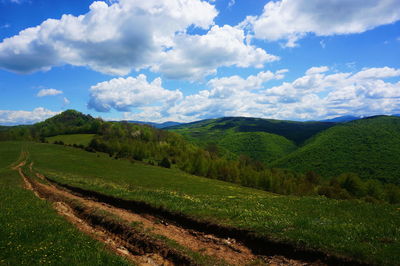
(341, 119)
(156, 125)
(369, 147)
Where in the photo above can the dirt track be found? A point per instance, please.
(138, 243)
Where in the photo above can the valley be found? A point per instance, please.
(146, 212)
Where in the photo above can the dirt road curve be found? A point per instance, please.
(140, 243)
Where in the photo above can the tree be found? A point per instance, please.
(352, 183)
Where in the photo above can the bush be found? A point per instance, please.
(165, 163)
(334, 192)
(392, 193)
(352, 183)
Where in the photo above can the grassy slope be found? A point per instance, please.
(369, 147)
(32, 233)
(352, 228)
(79, 139)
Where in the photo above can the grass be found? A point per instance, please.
(32, 233)
(78, 139)
(369, 232)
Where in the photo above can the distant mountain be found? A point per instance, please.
(369, 147)
(156, 125)
(342, 119)
(264, 140)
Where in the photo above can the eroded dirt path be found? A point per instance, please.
(227, 250)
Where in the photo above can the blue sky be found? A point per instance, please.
(186, 60)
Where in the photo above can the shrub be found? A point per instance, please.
(165, 163)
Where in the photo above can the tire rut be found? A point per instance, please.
(80, 210)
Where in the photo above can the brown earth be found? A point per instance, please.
(137, 241)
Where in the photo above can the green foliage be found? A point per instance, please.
(262, 140)
(368, 147)
(297, 132)
(366, 231)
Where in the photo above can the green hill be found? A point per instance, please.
(67, 122)
(369, 147)
(263, 140)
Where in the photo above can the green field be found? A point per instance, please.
(32, 233)
(356, 229)
(78, 139)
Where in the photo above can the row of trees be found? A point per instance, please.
(167, 149)
(163, 148)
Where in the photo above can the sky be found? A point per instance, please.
(187, 60)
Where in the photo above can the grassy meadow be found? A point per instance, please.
(369, 232)
(32, 233)
(77, 139)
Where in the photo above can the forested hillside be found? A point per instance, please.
(263, 140)
(369, 147)
(322, 166)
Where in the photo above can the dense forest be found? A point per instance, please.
(169, 149)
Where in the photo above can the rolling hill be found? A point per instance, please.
(369, 147)
(264, 140)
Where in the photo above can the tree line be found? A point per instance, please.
(167, 149)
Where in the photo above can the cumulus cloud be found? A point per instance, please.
(8, 117)
(122, 94)
(195, 56)
(319, 94)
(48, 92)
(112, 39)
(122, 36)
(291, 20)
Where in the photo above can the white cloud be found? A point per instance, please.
(374, 73)
(111, 39)
(8, 117)
(66, 101)
(48, 92)
(319, 94)
(195, 56)
(291, 20)
(317, 70)
(123, 94)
